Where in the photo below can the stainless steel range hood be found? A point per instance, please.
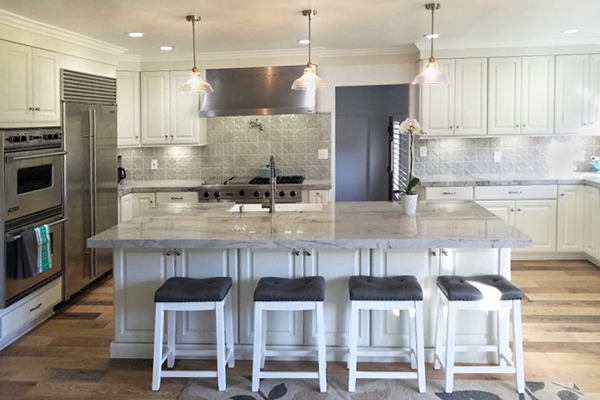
(256, 91)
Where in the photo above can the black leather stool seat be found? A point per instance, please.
(185, 290)
(394, 288)
(457, 288)
(281, 289)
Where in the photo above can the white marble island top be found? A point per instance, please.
(438, 224)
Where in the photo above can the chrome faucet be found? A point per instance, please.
(269, 202)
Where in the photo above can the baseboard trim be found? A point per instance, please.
(516, 256)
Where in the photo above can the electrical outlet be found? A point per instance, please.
(497, 156)
(154, 164)
(423, 151)
(323, 154)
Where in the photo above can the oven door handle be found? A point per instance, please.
(11, 238)
(20, 158)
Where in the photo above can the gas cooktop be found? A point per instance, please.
(281, 180)
(289, 190)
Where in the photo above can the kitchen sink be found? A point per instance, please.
(299, 207)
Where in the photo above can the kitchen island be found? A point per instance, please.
(337, 241)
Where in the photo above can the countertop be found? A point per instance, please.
(501, 179)
(150, 186)
(450, 224)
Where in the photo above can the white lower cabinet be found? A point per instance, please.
(142, 202)
(176, 197)
(591, 224)
(570, 218)
(126, 208)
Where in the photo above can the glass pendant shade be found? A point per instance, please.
(309, 80)
(431, 74)
(195, 84)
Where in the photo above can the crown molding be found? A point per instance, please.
(426, 46)
(40, 28)
(370, 52)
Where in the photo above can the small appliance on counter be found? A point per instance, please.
(121, 173)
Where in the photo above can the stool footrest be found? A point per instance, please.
(289, 374)
(297, 353)
(378, 352)
(188, 374)
(386, 375)
(483, 369)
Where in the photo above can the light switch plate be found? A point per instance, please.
(497, 156)
(423, 151)
(154, 164)
(323, 154)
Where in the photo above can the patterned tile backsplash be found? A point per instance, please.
(236, 149)
(541, 155)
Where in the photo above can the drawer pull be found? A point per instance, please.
(176, 198)
(296, 252)
(35, 308)
(449, 193)
(516, 192)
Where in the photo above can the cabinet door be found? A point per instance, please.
(185, 109)
(437, 104)
(591, 204)
(46, 87)
(570, 218)
(504, 209)
(126, 210)
(128, 117)
(537, 219)
(199, 327)
(390, 329)
(336, 266)
(504, 96)
(283, 328)
(155, 107)
(142, 202)
(572, 80)
(137, 275)
(470, 113)
(594, 89)
(16, 101)
(537, 115)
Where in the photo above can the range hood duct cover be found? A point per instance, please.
(256, 91)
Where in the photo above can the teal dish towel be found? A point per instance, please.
(44, 250)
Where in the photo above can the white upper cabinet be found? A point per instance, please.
(537, 101)
(186, 125)
(128, 101)
(504, 95)
(572, 97)
(437, 104)
(29, 93)
(594, 89)
(155, 108)
(470, 115)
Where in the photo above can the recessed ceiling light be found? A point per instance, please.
(431, 36)
(568, 31)
(135, 34)
(304, 41)
(166, 48)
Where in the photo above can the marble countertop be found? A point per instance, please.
(501, 179)
(450, 224)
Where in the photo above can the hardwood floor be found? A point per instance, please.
(67, 357)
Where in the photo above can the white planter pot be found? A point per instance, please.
(409, 203)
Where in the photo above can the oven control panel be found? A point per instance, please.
(22, 139)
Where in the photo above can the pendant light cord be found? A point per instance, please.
(309, 34)
(432, 30)
(194, 39)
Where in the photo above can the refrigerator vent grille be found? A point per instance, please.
(85, 88)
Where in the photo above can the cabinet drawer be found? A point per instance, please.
(31, 309)
(176, 197)
(515, 192)
(449, 193)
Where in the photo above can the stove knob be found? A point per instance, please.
(47, 136)
(22, 138)
(206, 194)
(217, 195)
(267, 194)
(256, 194)
(13, 139)
(293, 193)
(281, 194)
(242, 193)
(56, 136)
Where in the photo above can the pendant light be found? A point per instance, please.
(195, 84)
(309, 80)
(432, 73)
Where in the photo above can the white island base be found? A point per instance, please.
(139, 272)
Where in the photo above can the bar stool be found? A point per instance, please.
(391, 293)
(480, 292)
(280, 294)
(187, 294)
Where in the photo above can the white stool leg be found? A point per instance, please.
(220, 325)
(158, 345)
(350, 322)
(412, 339)
(439, 332)
(229, 334)
(420, 339)
(263, 351)
(171, 329)
(502, 335)
(450, 334)
(321, 345)
(518, 344)
(256, 359)
(352, 346)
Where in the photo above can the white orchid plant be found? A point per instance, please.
(411, 127)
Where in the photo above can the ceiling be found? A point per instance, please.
(243, 25)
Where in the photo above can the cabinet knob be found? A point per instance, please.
(171, 136)
(444, 252)
(137, 137)
(296, 252)
(517, 125)
(178, 253)
(457, 127)
(38, 109)
(523, 125)
(451, 127)
(512, 210)
(518, 209)
(166, 137)
(562, 195)
(169, 253)
(308, 253)
(30, 108)
(433, 253)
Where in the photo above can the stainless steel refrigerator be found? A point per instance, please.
(90, 134)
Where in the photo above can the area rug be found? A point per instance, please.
(239, 388)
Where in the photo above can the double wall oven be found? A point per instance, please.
(33, 178)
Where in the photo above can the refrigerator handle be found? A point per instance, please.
(92, 172)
